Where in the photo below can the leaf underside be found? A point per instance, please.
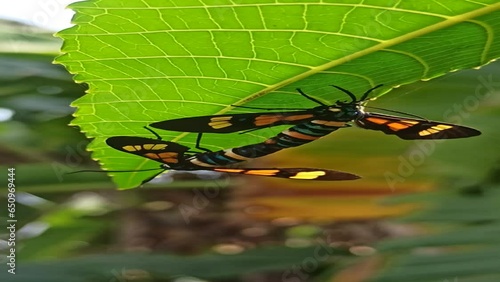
(147, 61)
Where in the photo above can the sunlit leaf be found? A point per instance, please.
(147, 61)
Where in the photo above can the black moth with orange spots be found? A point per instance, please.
(311, 124)
(177, 157)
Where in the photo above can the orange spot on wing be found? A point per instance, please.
(298, 117)
(169, 157)
(377, 120)
(397, 126)
(153, 156)
(267, 119)
(269, 172)
(229, 170)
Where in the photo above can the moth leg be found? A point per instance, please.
(154, 133)
(198, 140)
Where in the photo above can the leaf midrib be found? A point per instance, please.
(450, 21)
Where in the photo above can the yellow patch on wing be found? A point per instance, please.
(132, 148)
(434, 129)
(220, 122)
(154, 146)
(222, 118)
(129, 148)
(413, 122)
(159, 147)
(442, 127)
(308, 174)
(148, 146)
(428, 132)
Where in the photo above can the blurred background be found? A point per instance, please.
(424, 211)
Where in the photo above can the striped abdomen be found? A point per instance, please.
(304, 133)
(295, 136)
(234, 155)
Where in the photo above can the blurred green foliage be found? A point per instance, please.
(77, 228)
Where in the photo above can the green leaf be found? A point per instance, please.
(463, 223)
(148, 61)
(473, 265)
(207, 266)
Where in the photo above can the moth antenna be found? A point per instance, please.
(349, 93)
(310, 98)
(365, 95)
